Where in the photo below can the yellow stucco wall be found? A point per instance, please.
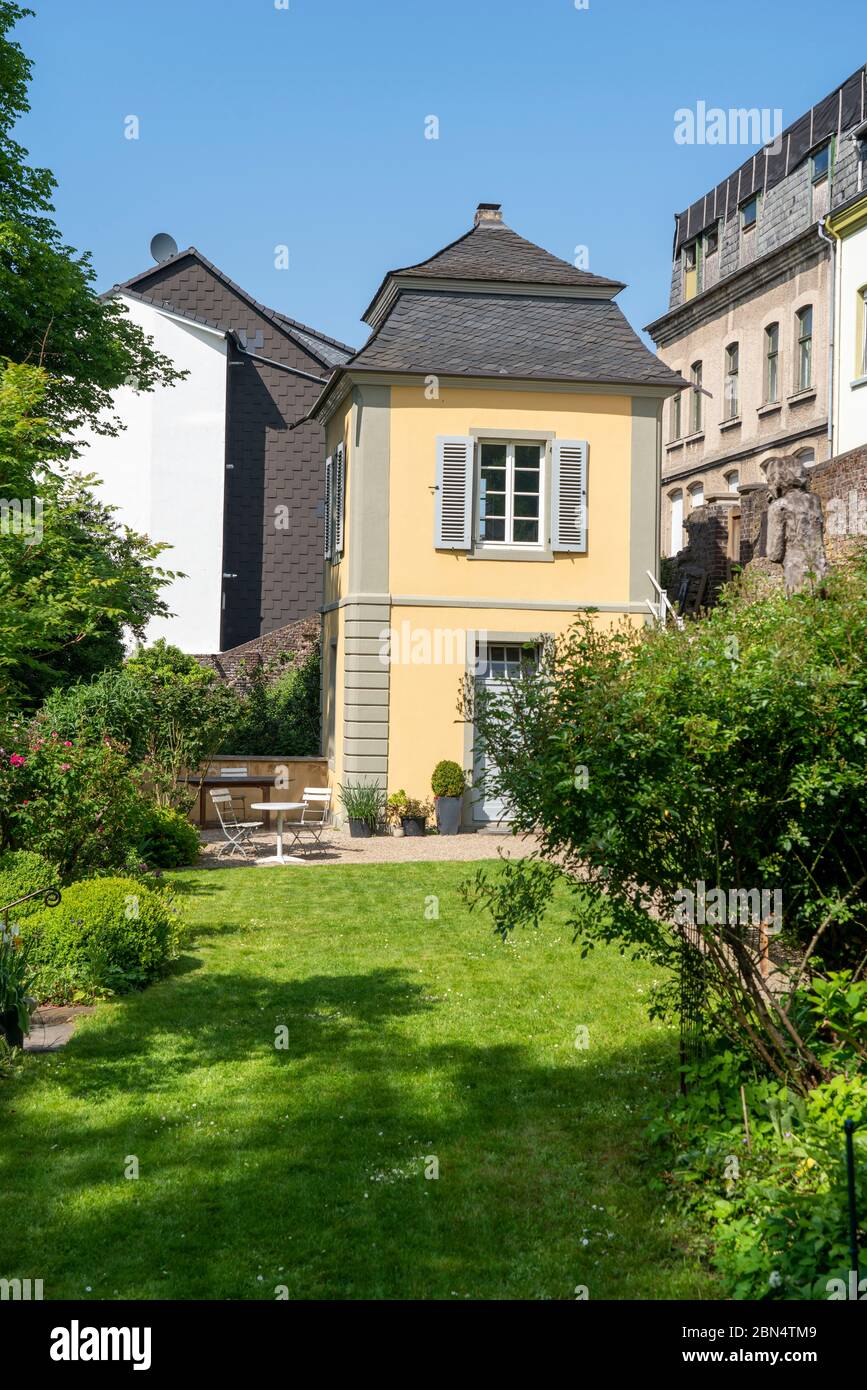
(425, 723)
(601, 575)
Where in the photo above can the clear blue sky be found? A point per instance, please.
(305, 126)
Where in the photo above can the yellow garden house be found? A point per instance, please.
(493, 467)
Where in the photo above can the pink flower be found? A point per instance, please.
(54, 733)
(64, 767)
(66, 743)
(17, 761)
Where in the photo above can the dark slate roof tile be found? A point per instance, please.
(513, 335)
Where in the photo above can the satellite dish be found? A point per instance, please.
(163, 247)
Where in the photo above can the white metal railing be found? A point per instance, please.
(662, 610)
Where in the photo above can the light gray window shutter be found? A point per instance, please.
(329, 493)
(339, 485)
(454, 494)
(569, 495)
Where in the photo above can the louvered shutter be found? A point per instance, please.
(339, 485)
(569, 495)
(454, 494)
(329, 492)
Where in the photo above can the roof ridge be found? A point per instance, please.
(281, 321)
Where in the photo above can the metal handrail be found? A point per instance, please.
(50, 896)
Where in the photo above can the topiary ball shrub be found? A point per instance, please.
(22, 872)
(168, 839)
(448, 779)
(107, 936)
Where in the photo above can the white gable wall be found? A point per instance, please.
(165, 473)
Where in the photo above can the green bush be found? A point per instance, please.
(168, 839)
(447, 779)
(114, 705)
(22, 872)
(107, 936)
(279, 718)
(770, 1210)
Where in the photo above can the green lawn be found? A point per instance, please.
(304, 1166)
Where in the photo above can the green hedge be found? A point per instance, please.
(107, 936)
(22, 872)
(168, 839)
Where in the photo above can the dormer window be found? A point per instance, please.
(691, 270)
(750, 213)
(820, 164)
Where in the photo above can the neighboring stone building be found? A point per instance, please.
(212, 465)
(748, 317)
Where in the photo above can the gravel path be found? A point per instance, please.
(338, 847)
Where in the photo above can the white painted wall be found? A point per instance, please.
(850, 386)
(166, 472)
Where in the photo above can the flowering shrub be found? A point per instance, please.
(78, 805)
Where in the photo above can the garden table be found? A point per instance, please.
(279, 807)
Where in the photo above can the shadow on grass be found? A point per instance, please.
(304, 1165)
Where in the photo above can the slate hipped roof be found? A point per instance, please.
(493, 304)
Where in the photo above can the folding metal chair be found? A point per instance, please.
(314, 816)
(238, 833)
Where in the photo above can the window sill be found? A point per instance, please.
(694, 438)
(674, 444)
(799, 397)
(858, 383)
(770, 408)
(730, 424)
(508, 552)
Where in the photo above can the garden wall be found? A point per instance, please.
(295, 774)
(734, 529)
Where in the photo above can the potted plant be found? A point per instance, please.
(16, 1003)
(447, 785)
(414, 815)
(394, 808)
(364, 804)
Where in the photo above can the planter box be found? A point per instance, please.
(449, 814)
(359, 829)
(412, 825)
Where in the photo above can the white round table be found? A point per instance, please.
(279, 807)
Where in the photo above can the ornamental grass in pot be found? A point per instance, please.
(364, 804)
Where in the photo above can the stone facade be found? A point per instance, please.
(732, 285)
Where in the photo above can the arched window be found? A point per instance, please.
(806, 456)
(676, 535)
(695, 400)
(804, 325)
(731, 394)
(772, 363)
(732, 480)
(696, 495)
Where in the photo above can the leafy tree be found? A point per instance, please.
(49, 313)
(731, 755)
(70, 580)
(279, 717)
(191, 713)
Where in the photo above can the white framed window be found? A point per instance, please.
(862, 331)
(696, 495)
(505, 660)
(511, 487)
(695, 405)
(731, 402)
(676, 535)
(804, 324)
(732, 480)
(806, 456)
(772, 363)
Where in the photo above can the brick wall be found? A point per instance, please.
(297, 639)
(841, 486)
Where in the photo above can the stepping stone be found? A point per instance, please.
(51, 1027)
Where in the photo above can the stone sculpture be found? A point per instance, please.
(795, 537)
